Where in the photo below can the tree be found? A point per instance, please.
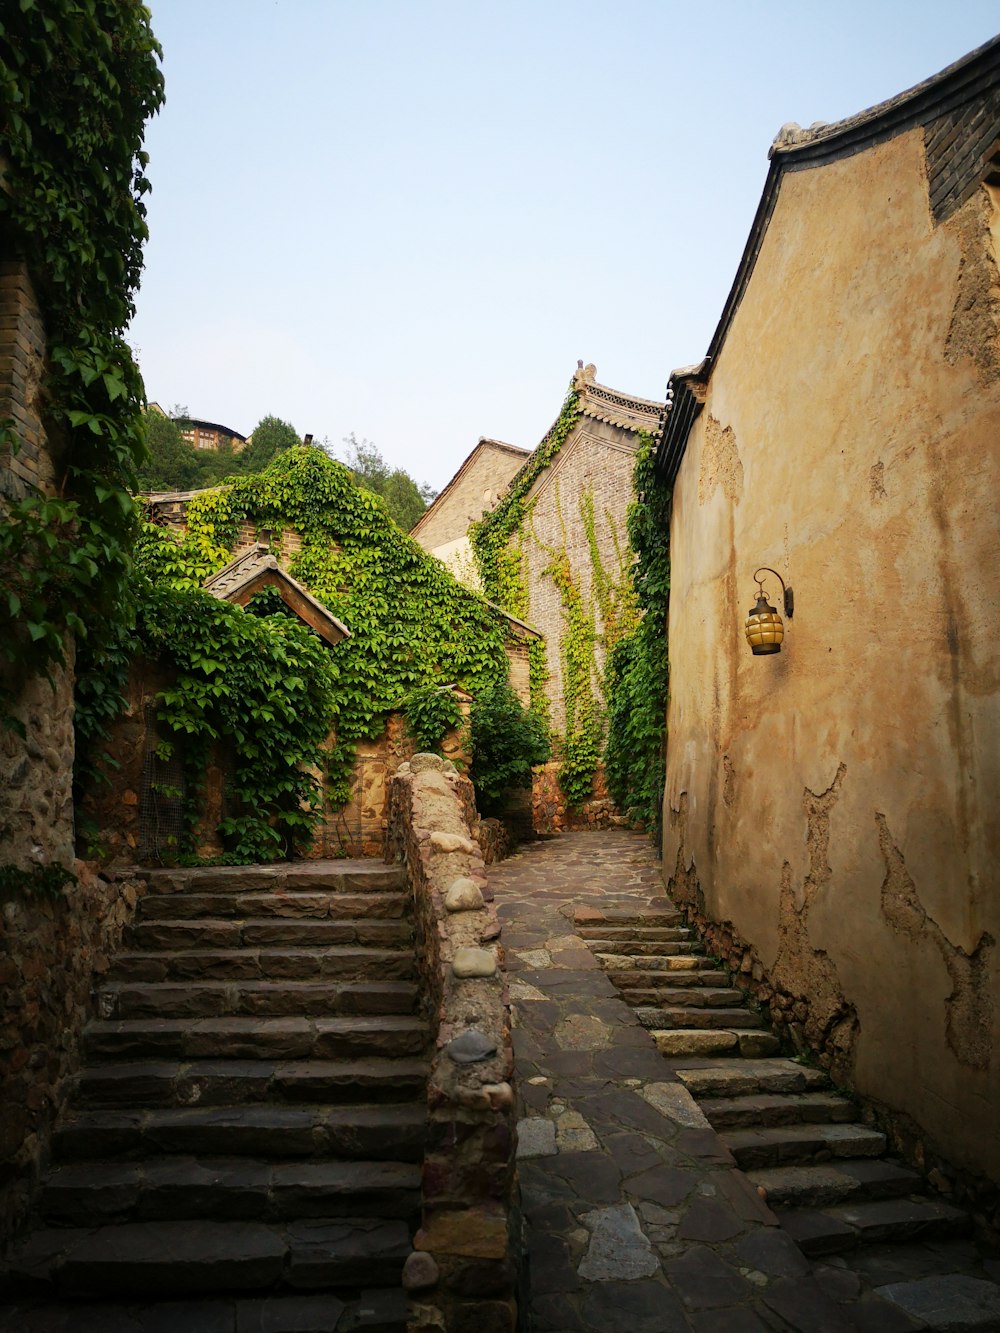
(172, 465)
(404, 498)
(269, 437)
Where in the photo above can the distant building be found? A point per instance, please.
(205, 434)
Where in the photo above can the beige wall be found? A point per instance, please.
(488, 472)
(839, 802)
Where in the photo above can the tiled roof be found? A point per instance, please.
(258, 566)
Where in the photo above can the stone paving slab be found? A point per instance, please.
(637, 1218)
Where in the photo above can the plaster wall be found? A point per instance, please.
(837, 803)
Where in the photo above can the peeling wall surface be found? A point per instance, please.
(839, 802)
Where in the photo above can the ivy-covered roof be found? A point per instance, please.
(257, 568)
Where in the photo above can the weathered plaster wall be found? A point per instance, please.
(837, 803)
(598, 460)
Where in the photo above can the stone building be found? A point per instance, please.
(836, 804)
(206, 434)
(475, 488)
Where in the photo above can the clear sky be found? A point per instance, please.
(407, 219)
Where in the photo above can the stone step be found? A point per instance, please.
(231, 1082)
(801, 1143)
(285, 906)
(376, 1310)
(881, 1221)
(393, 1131)
(684, 1042)
(642, 979)
(349, 876)
(615, 963)
(256, 1038)
(681, 1016)
(185, 1258)
(607, 930)
(344, 962)
(835, 1182)
(95, 1193)
(204, 999)
(776, 1108)
(693, 997)
(705, 1079)
(177, 935)
(652, 914)
(646, 949)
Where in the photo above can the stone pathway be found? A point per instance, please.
(637, 1217)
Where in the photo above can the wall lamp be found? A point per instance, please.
(764, 627)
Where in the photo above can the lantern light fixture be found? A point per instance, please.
(764, 626)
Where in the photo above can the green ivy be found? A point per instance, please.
(507, 739)
(496, 539)
(261, 685)
(413, 628)
(78, 80)
(41, 881)
(430, 714)
(638, 668)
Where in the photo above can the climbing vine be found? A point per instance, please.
(413, 628)
(261, 686)
(638, 668)
(496, 539)
(78, 80)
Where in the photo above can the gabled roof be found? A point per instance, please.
(959, 110)
(613, 406)
(257, 568)
(484, 445)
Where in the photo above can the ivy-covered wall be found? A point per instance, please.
(413, 629)
(555, 552)
(78, 80)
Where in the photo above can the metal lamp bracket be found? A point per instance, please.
(788, 601)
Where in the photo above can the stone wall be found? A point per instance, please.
(838, 803)
(51, 951)
(36, 770)
(132, 821)
(551, 814)
(462, 1274)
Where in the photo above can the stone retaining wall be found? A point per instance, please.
(551, 814)
(51, 950)
(462, 1274)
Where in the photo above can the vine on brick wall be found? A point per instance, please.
(78, 80)
(264, 685)
(413, 627)
(638, 668)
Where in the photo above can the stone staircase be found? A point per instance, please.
(248, 1127)
(823, 1169)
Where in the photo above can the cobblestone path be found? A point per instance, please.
(637, 1217)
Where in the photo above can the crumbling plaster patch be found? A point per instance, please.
(720, 463)
(969, 1007)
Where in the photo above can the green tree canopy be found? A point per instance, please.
(404, 498)
(270, 436)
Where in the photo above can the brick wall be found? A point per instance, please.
(488, 473)
(22, 361)
(599, 458)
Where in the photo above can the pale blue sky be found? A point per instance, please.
(409, 218)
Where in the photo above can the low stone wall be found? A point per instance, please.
(462, 1274)
(51, 950)
(551, 814)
